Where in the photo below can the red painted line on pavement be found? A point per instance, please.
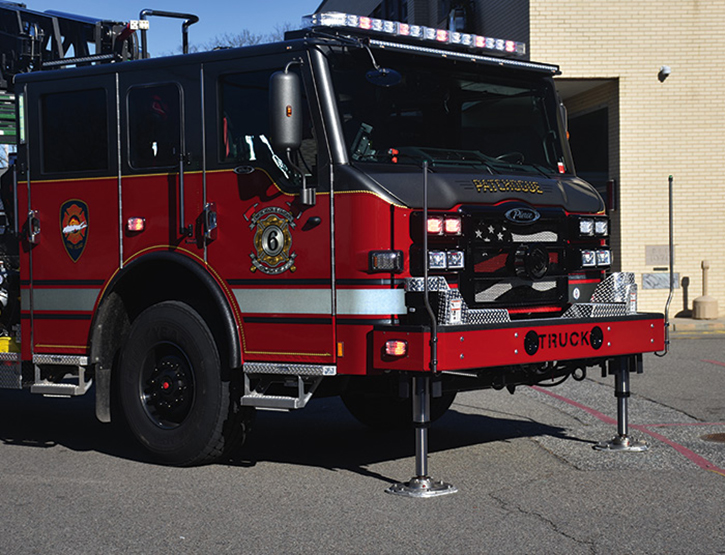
(681, 449)
(716, 362)
(675, 424)
(600, 415)
(702, 462)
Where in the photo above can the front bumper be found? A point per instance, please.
(520, 343)
(607, 326)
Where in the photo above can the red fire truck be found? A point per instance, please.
(370, 209)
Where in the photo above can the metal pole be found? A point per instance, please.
(421, 422)
(421, 485)
(672, 270)
(189, 18)
(426, 262)
(621, 387)
(622, 441)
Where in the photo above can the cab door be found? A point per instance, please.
(70, 192)
(273, 252)
(162, 162)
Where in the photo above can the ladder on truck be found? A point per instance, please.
(32, 41)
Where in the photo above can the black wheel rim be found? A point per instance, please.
(167, 385)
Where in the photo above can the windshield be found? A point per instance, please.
(451, 114)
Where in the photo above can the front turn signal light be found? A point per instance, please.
(386, 261)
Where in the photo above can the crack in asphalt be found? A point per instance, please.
(555, 527)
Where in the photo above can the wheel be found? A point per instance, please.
(172, 394)
(382, 409)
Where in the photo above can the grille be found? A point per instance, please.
(515, 265)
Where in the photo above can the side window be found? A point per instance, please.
(74, 131)
(154, 126)
(244, 129)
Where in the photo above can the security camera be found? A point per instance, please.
(664, 73)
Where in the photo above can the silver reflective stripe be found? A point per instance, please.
(318, 301)
(371, 301)
(284, 301)
(60, 300)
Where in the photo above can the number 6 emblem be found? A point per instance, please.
(272, 241)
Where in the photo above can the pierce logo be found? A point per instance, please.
(74, 227)
(522, 215)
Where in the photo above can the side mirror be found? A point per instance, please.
(285, 108)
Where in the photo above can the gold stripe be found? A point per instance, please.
(288, 354)
(60, 347)
(113, 178)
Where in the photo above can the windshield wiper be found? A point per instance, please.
(537, 168)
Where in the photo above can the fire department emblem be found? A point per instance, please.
(74, 227)
(272, 241)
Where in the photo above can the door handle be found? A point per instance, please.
(33, 227)
(210, 221)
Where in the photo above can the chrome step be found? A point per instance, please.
(273, 401)
(257, 386)
(51, 389)
(73, 384)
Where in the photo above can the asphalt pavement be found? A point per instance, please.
(313, 481)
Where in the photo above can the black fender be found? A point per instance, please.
(149, 279)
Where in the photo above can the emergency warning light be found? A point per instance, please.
(420, 32)
(396, 348)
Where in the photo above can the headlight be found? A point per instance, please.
(604, 258)
(436, 260)
(601, 227)
(589, 259)
(586, 226)
(453, 225)
(455, 260)
(435, 225)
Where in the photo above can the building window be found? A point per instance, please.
(394, 10)
(154, 126)
(458, 15)
(589, 141)
(74, 131)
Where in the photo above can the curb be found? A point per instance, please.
(689, 325)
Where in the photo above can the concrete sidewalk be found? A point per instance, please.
(692, 326)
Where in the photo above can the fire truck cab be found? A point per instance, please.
(363, 203)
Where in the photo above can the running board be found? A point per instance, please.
(75, 383)
(282, 387)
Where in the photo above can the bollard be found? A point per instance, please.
(704, 307)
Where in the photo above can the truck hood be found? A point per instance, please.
(447, 189)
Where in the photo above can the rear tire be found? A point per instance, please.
(172, 393)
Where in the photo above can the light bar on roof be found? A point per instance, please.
(395, 28)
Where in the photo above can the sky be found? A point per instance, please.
(215, 17)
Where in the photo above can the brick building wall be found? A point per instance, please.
(676, 127)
